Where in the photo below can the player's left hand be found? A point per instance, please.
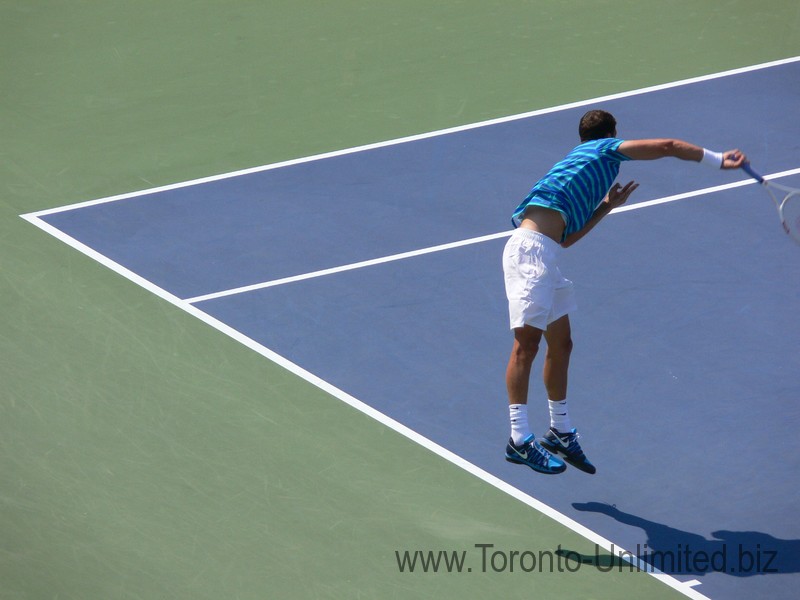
(618, 195)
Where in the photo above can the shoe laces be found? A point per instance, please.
(574, 447)
(541, 454)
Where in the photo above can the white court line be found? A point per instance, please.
(35, 219)
(476, 240)
(423, 136)
(349, 267)
(601, 542)
(708, 190)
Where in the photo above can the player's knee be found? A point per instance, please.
(528, 349)
(562, 347)
(525, 349)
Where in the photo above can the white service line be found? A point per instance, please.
(701, 192)
(476, 240)
(348, 267)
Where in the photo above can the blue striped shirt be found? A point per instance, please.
(576, 185)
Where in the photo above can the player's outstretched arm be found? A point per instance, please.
(662, 148)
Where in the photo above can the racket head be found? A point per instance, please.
(790, 214)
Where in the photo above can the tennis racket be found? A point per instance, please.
(786, 199)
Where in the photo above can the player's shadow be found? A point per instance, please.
(676, 552)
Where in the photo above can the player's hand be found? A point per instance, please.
(618, 195)
(733, 159)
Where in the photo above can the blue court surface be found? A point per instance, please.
(685, 376)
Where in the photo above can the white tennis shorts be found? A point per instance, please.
(537, 292)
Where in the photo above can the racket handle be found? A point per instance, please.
(749, 170)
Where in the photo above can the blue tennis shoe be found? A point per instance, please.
(566, 444)
(530, 453)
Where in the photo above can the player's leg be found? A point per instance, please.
(518, 371)
(556, 361)
(522, 447)
(529, 299)
(561, 438)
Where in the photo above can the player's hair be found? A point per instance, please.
(597, 124)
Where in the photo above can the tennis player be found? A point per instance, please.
(562, 207)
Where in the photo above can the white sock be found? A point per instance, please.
(518, 413)
(559, 416)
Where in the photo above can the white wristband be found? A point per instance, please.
(713, 159)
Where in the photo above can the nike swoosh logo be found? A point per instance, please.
(562, 442)
(522, 455)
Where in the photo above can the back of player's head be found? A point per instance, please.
(597, 124)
